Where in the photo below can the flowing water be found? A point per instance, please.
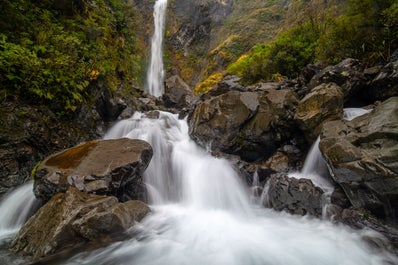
(202, 214)
(15, 208)
(315, 167)
(201, 210)
(155, 73)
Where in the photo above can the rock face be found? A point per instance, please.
(362, 155)
(74, 218)
(324, 103)
(248, 124)
(296, 196)
(107, 167)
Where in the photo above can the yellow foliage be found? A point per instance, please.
(209, 83)
(94, 74)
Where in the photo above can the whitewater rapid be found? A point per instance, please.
(202, 214)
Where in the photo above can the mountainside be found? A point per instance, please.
(261, 40)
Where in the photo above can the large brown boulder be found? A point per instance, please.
(324, 103)
(362, 155)
(107, 167)
(248, 124)
(73, 218)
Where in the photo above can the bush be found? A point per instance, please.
(52, 52)
(291, 51)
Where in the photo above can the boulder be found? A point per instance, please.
(74, 218)
(248, 124)
(177, 93)
(107, 167)
(295, 196)
(348, 74)
(324, 103)
(385, 84)
(362, 156)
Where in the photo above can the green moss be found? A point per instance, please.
(34, 170)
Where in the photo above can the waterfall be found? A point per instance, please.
(181, 171)
(15, 207)
(315, 167)
(155, 73)
(202, 214)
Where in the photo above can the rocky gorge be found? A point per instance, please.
(93, 192)
(265, 130)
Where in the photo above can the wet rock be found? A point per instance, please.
(75, 218)
(111, 167)
(177, 93)
(361, 155)
(248, 124)
(324, 103)
(385, 84)
(348, 74)
(295, 196)
(363, 219)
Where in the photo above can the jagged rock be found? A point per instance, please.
(111, 167)
(362, 155)
(385, 84)
(248, 124)
(348, 74)
(177, 93)
(363, 219)
(296, 196)
(324, 103)
(73, 218)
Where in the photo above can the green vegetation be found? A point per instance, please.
(365, 29)
(291, 51)
(53, 52)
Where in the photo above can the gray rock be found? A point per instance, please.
(385, 84)
(324, 103)
(348, 74)
(295, 196)
(248, 124)
(362, 156)
(177, 93)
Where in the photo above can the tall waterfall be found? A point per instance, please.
(155, 74)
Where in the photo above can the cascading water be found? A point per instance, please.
(15, 207)
(201, 211)
(155, 74)
(202, 214)
(315, 167)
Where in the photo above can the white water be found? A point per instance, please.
(15, 207)
(202, 214)
(315, 167)
(155, 73)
